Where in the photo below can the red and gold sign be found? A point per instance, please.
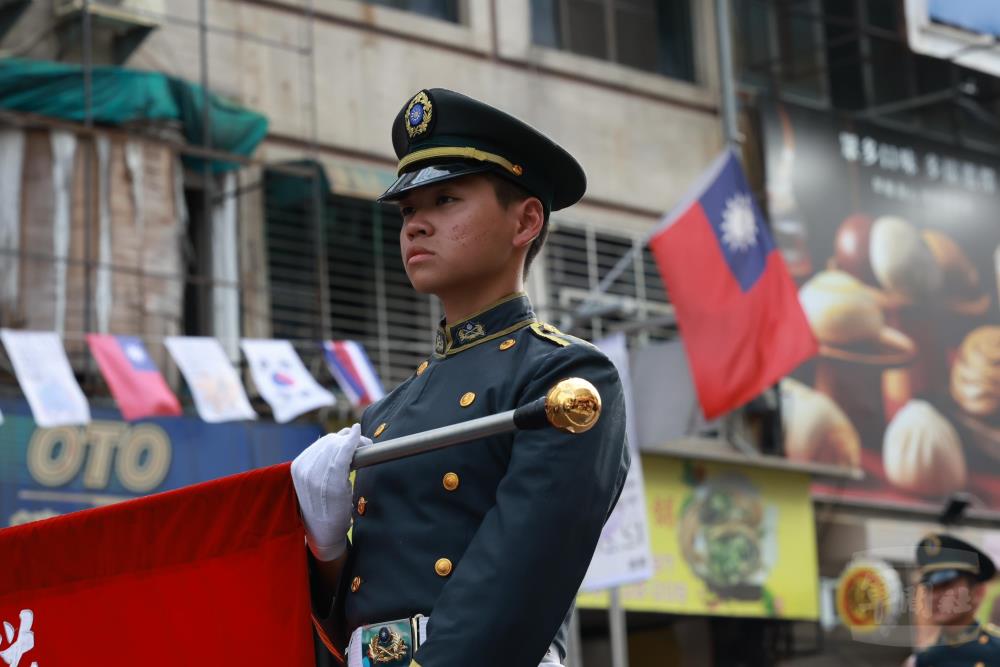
(869, 595)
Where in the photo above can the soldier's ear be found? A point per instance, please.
(978, 593)
(529, 219)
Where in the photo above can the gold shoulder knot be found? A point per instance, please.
(549, 333)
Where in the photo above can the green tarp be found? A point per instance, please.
(121, 95)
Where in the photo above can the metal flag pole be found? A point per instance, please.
(618, 629)
(572, 405)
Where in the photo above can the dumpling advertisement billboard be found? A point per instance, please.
(894, 242)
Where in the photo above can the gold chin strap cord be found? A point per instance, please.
(466, 153)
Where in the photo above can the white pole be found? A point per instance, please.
(619, 632)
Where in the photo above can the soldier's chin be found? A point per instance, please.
(423, 283)
(947, 619)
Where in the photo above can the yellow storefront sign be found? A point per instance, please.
(727, 541)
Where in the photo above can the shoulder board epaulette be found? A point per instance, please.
(549, 333)
(992, 629)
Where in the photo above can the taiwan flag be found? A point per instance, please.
(736, 305)
(135, 381)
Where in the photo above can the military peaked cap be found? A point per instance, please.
(943, 558)
(440, 134)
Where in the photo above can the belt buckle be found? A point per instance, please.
(389, 643)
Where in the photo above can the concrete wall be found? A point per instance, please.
(642, 138)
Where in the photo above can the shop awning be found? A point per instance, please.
(121, 95)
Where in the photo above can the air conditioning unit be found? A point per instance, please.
(964, 32)
(126, 23)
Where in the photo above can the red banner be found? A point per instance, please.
(211, 574)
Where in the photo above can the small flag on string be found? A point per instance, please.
(215, 386)
(133, 378)
(283, 380)
(353, 371)
(46, 378)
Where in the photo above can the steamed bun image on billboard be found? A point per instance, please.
(894, 242)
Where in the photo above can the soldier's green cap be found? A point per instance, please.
(943, 558)
(439, 135)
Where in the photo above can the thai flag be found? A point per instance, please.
(353, 371)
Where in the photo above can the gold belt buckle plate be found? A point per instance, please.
(389, 643)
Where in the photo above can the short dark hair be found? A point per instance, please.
(508, 193)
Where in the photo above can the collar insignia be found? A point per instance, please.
(471, 332)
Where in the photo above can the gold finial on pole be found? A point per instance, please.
(573, 405)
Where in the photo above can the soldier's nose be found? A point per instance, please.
(416, 227)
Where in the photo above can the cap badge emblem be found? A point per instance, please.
(418, 114)
(932, 545)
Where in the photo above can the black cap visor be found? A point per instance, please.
(941, 577)
(430, 174)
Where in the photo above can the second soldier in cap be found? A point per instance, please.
(953, 575)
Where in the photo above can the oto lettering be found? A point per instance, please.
(139, 455)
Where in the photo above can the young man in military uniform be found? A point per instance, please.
(470, 555)
(954, 575)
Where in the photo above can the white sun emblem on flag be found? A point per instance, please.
(739, 227)
(135, 353)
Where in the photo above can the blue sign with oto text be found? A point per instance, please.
(50, 471)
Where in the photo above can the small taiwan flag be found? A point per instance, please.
(353, 371)
(737, 308)
(135, 381)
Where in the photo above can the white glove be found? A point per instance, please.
(321, 475)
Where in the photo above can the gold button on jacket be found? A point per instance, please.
(443, 567)
(450, 481)
(422, 367)
(467, 399)
(355, 584)
(381, 427)
(362, 505)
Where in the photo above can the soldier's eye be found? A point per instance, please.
(445, 199)
(406, 211)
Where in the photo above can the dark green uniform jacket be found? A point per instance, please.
(978, 646)
(491, 539)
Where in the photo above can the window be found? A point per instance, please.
(350, 285)
(577, 258)
(853, 56)
(446, 10)
(782, 44)
(651, 35)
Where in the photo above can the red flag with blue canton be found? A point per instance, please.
(133, 378)
(737, 308)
